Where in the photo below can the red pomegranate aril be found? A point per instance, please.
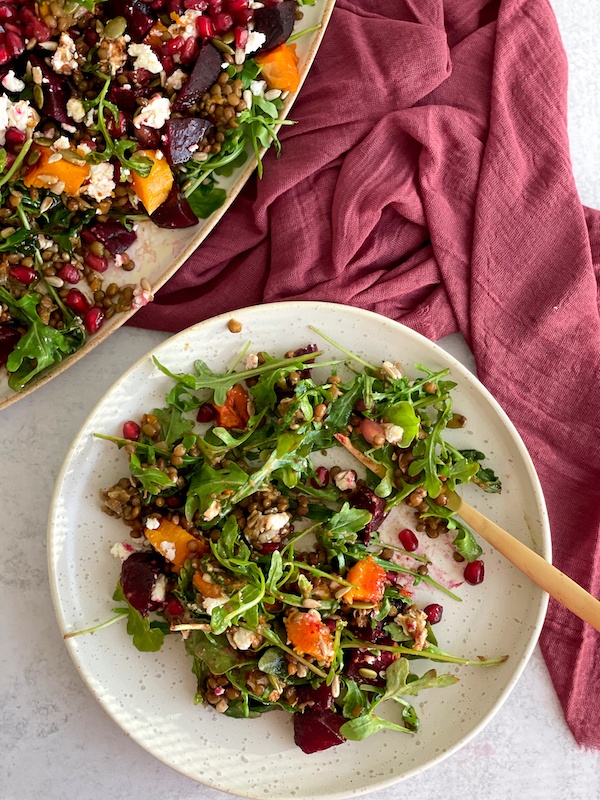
(189, 51)
(4, 57)
(24, 275)
(131, 430)
(99, 263)
(76, 301)
(223, 22)
(69, 274)
(14, 44)
(408, 540)
(434, 613)
(269, 547)
(241, 37)
(15, 137)
(168, 64)
(205, 413)
(6, 12)
(197, 5)
(244, 16)
(322, 478)
(474, 572)
(117, 128)
(233, 6)
(205, 27)
(93, 319)
(173, 46)
(174, 607)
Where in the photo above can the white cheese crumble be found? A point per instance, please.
(20, 115)
(251, 361)
(212, 511)
(345, 480)
(145, 58)
(152, 524)
(64, 58)
(186, 26)
(75, 109)
(168, 550)
(155, 114)
(121, 550)
(393, 433)
(243, 639)
(11, 83)
(209, 603)
(256, 39)
(62, 143)
(258, 88)
(176, 80)
(160, 589)
(101, 183)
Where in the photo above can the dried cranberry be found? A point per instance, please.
(24, 275)
(206, 413)
(434, 613)
(93, 319)
(131, 430)
(408, 540)
(474, 572)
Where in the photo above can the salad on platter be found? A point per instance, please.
(112, 114)
(255, 499)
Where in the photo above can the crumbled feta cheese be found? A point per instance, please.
(212, 511)
(209, 603)
(155, 114)
(414, 624)
(84, 148)
(75, 109)
(62, 143)
(251, 361)
(68, 128)
(393, 433)
(225, 64)
(168, 550)
(152, 524)
(160, 589)
(90, 118)
(266, 527)
(176, 80)
(122, 550)
(101, 181)
(258, 88)
(345, 480)
(20, 115)
(243, 639)
(185, 25)
(11, 83)
(64, 58)
(256, 39)
(145, 58)
(116, 53)
(391, 370)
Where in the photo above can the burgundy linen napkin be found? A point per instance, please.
(428, 179)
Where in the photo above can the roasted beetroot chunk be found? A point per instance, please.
(362, 659)
(140, 17)
(56, 91)
(276, 22)
(206, 71)
(363, 497)
(8, 341)
(315, 731)
(114, 236)
(318, 699)
(138, 578)
(175, 212)
(182, 137)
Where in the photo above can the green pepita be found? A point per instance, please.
(114, 28)
(38, 96)
(222, 46)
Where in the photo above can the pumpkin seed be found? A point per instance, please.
(38, 96)
(115, 28)
(220, 45)
(70, 6)
(73, 158)
(32, 158)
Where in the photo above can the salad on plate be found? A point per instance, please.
(114, 113)
(257, 500)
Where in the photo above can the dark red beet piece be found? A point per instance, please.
(175, 212)
(276, 22)
(362, 659)
(318, 699)
(205, 72)
(56, 91)
(315, 731)
(138, 578)
(8, 341)
(182, 137)
(363, 497)
(140, 17)
(303, 351)
(114, 236)
(148, 138)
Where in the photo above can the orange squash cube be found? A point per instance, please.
(370, 580)
(72, 175)
(171, 541)
(309, 635)
(154, 189)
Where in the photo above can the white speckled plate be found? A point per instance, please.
(151, 695)
(158, 253)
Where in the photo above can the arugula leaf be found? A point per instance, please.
(466, 544)
(152, 479)
(273, 662)
(342, 407)
(206, 199)
(174, 426)
(403, 414)
(148, 637)
(215, 651)
(348, 520)
(207, 484)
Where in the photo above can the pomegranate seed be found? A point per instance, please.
(322, 478)
(236, 5)
(15, 137)
(174, 502)
(69, 274)
(117, 128)
(76, 301)
(474, 572)
(223, 22)
(6, 12)
(98, 263)
(198, 5)
(434, 613)
(4, 57)
(131, 430)
(14, 44)
(174, 607)
(174, 45)
(93, 319)
(24, 275)
(268, 547)
(241, 37)
(244, 16)
(205, 27)
(408, 540)
(168, 64)
(142, 77)
(205, 413)
(189, 51)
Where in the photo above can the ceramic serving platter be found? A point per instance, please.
(158, 253)
(150, 695)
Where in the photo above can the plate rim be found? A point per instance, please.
(544, 544)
